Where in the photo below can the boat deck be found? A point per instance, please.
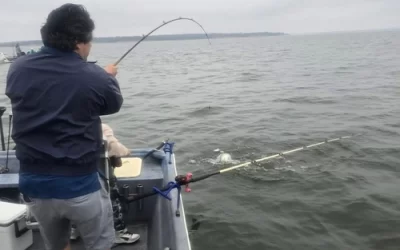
(141, 244)
(153, 217)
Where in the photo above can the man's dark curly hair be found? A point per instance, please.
(67, 26)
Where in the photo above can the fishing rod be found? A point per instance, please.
(5, 169)
(3, 144)
(185, 180)
(164, 23)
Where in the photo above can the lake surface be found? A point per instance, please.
(253, 97)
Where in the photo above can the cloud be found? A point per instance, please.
(21, 19)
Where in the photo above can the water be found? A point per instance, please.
(252, 97)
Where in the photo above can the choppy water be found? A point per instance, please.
(253, 97)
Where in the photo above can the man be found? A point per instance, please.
(57, 98)
(115, 151)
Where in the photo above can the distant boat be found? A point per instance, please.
(9, 59)
(6, 59)
(17, 53)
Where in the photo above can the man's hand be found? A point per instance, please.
(111, 69)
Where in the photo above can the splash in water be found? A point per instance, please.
(223, 158)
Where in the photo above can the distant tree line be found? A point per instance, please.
(157, 38)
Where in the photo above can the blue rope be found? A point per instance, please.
(165, 194)
(168, 147)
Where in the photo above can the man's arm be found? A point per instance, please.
(112, 96)
(105, 89)
(115, 148)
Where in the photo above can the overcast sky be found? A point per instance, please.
(22, 19)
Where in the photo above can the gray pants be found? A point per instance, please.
(92, 214)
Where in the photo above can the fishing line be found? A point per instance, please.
(181, 180)
(164, 23)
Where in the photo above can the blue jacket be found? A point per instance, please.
(57, 99)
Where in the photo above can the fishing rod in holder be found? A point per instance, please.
(185, 180)
(148, 34)
(5, 169)
(3, 145)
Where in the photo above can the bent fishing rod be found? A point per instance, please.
(185, 180)
(148, 34)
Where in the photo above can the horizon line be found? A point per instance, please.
(201, 35)
(183, 35)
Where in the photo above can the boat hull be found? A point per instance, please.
(154, 217)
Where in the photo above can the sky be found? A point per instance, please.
(22, 19)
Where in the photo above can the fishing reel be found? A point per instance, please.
(115, 161)
(184, 180)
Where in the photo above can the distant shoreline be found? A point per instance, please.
(156, 38)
